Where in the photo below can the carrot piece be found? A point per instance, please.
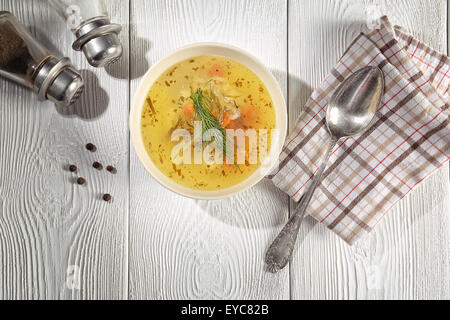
(189, 110)
(216, 70)
(226, 119)
(249, 115)
(236, 124)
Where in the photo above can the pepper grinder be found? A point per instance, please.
(95, 35)
(25, 61)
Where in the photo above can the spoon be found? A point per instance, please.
(350, 112)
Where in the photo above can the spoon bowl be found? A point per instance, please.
(349, 111)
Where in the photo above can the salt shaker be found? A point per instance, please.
(95, 35)
(26, 61)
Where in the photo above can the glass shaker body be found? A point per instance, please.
(20, 54)
(27, 62)
(95, 35)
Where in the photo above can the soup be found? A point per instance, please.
(214, 93)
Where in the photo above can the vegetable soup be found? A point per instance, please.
(217, 94)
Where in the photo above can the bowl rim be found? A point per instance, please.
(176, 56)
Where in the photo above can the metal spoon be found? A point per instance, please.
(350, 111)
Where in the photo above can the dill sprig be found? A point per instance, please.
(201, 103)
(209, 121)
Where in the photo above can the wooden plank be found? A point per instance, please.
(407, 256)
(185, 249)
(47, 223)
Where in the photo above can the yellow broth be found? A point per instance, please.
(246, 105)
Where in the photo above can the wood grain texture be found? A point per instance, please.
(407, 255)
(182, 248)
(150, 243)
(47, 223)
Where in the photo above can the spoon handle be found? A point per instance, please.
(280, 251)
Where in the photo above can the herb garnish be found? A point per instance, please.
(209, 121)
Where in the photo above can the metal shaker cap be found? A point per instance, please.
(99, 41)
(58, 81)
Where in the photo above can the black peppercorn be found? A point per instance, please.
(107, 197)
(91, 147)
(81, 181)
(73, 168)
(111, 169)
(97, 165)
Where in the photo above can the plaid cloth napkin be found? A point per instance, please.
(407, 142)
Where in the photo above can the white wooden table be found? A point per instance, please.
(152, 244)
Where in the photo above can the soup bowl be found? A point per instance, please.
(209, 49)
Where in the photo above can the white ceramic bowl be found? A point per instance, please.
(211, 49)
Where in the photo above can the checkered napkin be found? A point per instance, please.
(407, 142)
